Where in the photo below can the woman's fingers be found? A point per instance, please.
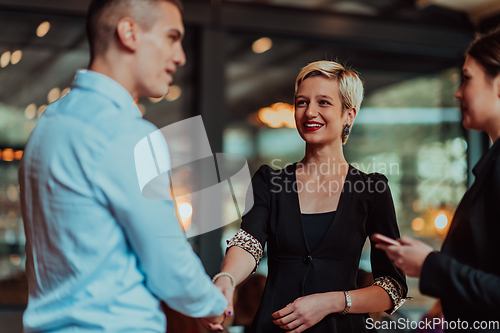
(286, 319)
(230, 308)
(299, 329)
(392, 251)
(289, 321)
(229, 311)
(406, 240)
(228, 291)
(283, 312)
(291, 325)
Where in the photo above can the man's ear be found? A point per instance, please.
(128, 33)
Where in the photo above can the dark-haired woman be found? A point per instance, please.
(314, 217)
(465, 274)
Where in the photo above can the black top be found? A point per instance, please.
(465, 275)
(315, 226)
(365, 207)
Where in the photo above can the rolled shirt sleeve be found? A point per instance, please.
(172, 271)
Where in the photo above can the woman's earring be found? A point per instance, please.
(346, 130)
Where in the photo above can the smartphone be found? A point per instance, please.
(379, 238)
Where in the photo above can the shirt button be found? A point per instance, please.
(307, 260)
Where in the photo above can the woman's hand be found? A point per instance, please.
(224, 284)
(409, 256)
(307, 311)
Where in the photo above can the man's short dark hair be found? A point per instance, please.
(103, 16)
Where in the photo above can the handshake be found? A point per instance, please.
(225, 283)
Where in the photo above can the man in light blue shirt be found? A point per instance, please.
(100, 256)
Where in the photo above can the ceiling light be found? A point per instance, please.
(30, 111)
(41, 109)
(53, 95)
(5, 59)
(65, 92)
(261, 45)
(16, 57)
(277, 115)
(42, 29)
(174, 92)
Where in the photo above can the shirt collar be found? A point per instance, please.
(107, 87)
(491, 154)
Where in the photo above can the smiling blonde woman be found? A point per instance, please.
(315, 222)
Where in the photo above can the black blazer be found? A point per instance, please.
(465, 275)
(365, 207)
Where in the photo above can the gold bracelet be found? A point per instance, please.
(347, 303)
(224, 274)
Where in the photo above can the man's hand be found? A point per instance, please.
(307, 311)
(409, 255)
(213, 323)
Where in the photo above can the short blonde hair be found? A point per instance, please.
(350, 85)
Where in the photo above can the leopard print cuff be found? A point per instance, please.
(392, 287)
(248, 243)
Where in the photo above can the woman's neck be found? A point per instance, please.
(492, 124)
(326, 155)
(494, 134)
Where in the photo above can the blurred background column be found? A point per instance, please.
(211, 105)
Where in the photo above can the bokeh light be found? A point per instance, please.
(174, 92)
(441, 221)
(30, 111)
(53, 95)
(418, 224)
(277, 115)
(16, 57)
(43, 29)
(262, 45)
(5, 59)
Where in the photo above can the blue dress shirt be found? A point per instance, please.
(99, 255)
